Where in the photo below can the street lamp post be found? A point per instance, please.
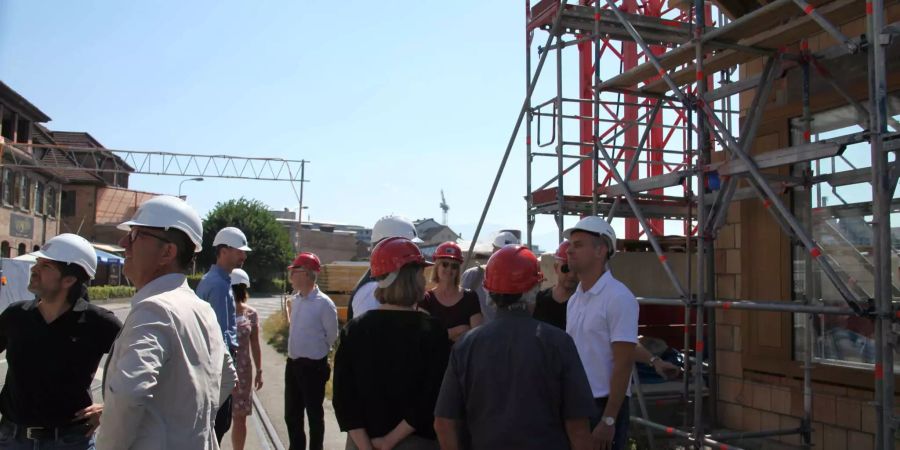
(183, 181)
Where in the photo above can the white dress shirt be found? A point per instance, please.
(314, 325)
(364, 299)
(606, 313)
(168, 373)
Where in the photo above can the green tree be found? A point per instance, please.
(271, 245)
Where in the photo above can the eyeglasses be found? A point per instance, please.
(564, 268)
(448, 264)
(135, 233)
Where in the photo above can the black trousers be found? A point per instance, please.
(304, 391)
(223, 416)
(622, 421)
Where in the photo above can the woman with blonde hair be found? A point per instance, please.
(457, 308)
(390, 363)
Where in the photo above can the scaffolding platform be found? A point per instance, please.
(545, 202)
(753, 31)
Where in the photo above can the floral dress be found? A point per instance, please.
(246, 323)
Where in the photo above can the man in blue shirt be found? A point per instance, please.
(215, 287)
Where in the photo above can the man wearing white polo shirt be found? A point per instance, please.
(602, 318)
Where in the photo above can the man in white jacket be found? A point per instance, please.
(169, 370)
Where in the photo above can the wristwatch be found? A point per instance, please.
(609, 421)
(653, 359)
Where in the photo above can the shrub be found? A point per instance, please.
(108, 292)
(275, 331)
(194, 280)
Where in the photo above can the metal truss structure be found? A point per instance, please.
(631, 167)
(96, 160)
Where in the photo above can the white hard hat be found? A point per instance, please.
(394, 226)
(166, 212)
(232, 237)
(595, 225)
(70, 249)
(505, 238)
(239, 276)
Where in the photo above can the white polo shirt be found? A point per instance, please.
(606, 313)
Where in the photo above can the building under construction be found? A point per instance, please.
(748, 150)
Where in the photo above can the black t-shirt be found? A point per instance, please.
(452, 316)
(548, 310)
(388, 368)
(52, 365)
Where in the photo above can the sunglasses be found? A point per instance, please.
(452, 265)
(564, 268)
(135, 233)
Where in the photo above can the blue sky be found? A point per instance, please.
(391, 101)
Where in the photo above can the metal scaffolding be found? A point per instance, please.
(674, 92)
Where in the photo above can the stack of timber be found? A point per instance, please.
(338, 279)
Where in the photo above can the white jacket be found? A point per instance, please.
(168, 373)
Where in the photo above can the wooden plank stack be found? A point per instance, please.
(341, 277)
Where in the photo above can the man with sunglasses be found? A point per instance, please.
(169, 370)
(550, 305)
(231, 249)
(53, 345)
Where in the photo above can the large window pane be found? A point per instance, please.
(837, 210)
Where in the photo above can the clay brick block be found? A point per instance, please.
(730, 317)
(737, 234)
(738, 293)
(818, 434)
(823, 408)
(769, 420)
(725, 287)
(781, 400)
(752, 419)
(724, 337)
(733, 261)
(860, 441)
(789, 422)
(734, 215)
(834, 438)
(867, 418)
(729, 363)
(729, 389)
(725, 240)
(719, 260)
(822, 388)
(847, 413)
(762, 396)
(731, 415)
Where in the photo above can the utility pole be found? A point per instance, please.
(300, 201)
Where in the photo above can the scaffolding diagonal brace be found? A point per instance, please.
(636, 209)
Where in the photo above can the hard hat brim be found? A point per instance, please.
(568, 233)
(91, 273)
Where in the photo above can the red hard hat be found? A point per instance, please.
(391, 254)
(448, 250)
(561, 254)
(308, 261)
(512, 270)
